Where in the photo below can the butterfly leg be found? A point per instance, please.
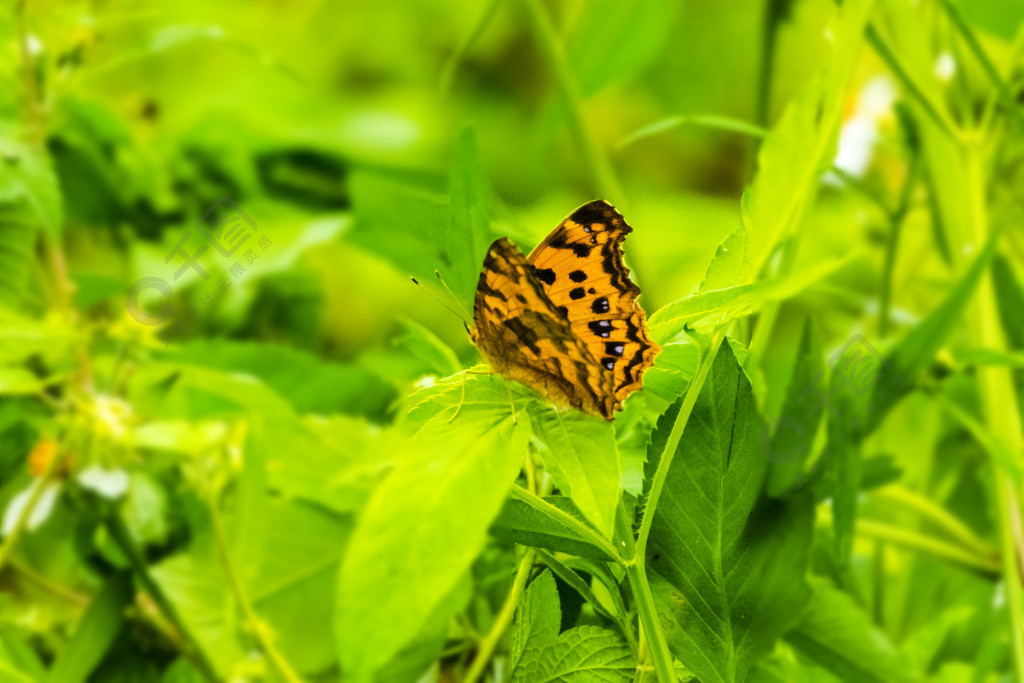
(462, 397)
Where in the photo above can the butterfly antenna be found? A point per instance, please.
(451, 310)
(437, 273)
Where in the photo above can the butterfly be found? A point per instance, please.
(565, 320)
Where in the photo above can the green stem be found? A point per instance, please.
(904, 75)
(122, 538)
(990, 105)
(657, 646)
(48, 585)
(895, 226)
(1002, 90)
(595, 157)
(1000, 407)
(254, 623)
(939, 516)
(448, 74)
(567, 520)
(917, 541)
(504, 618)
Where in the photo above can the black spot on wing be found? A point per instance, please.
(613, 348)
(521, 298)
(577, 294)
(600, 305)
(545, 275)
(560, 242)
(602, 328)
(608, 363)
(577, 276)
(564, 310)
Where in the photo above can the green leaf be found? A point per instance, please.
(309, 383)
(538, 618)
(95, 632)
(583, 460)
(794, 430)
(525, 525)
(729, 580)
(287, 587)
(415, 538)
(639, 30)
(435, 355)
(582, 654)
(802, 144)
(470, 227)
(726, 267)
(673, 371)
(722, 305)
(840, 637)
(18, 380)
(28, 186)
(19, 663)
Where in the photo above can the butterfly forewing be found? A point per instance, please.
(565, 320)
(580, 265)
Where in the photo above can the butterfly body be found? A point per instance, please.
(564, 320)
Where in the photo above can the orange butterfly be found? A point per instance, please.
(564, 320)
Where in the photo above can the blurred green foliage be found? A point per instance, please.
(238, 457)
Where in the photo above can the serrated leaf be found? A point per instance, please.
(538, 617)
(801, 146)
(28, 186)
(414, 539)
(729, 580)
(583, 654)
(726, 267)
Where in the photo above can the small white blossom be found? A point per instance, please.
(109, 483)
(44, 506)
(945, 67)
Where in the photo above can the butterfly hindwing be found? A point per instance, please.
(564, 320)
(523, 335)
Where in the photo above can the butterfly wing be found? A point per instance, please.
(523, 335)
(582, 273)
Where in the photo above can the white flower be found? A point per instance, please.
(44, 506)
(945, 67)
(110, 483)
(860, 132)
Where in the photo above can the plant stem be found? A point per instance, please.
(903, 74)
(1000, 407)
(256, 626)
(636, 569)
(49, 586)
(657, 646)
(1002, 90)
(595, 157)
(917, 541)
(448, 74)
(895, 225)
(122, 538)
(928, 509)
(504, 618)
